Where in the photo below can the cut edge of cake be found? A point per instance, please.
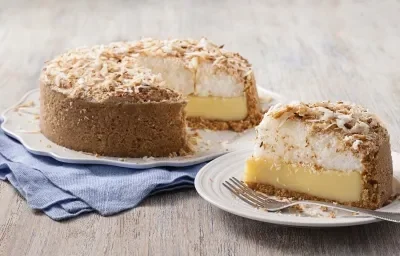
(234, 72)
(253, 117)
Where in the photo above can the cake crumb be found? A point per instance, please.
(324, 208)
(48, 146)
(193, 140)
(332, 215)
(298, 208)
(121, 159)
(28, 104)
(147, 158)
(172, 155)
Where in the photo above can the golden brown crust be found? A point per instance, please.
(115, 127)
(378, 175)
(273, 191)
(253, 118)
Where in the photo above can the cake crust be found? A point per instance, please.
(118, 127)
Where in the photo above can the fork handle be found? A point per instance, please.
(388, 216)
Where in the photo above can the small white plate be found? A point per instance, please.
(21, 123)
(209, 181)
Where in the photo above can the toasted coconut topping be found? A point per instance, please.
(98, 74)
(101, 72)
(350, 118)
(353, 123)
(191, 51)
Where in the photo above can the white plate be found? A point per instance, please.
(209, 180)
(23, 126)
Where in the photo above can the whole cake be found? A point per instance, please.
(323, 151)
(132, 98)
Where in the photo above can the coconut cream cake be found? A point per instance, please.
(322, 151)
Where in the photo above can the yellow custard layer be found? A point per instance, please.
(343, 186)
(217, 108)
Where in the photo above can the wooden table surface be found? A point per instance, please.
(306, 50)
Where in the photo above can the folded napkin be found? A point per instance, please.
(64, 190)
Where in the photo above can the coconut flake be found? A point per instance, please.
(356, 143)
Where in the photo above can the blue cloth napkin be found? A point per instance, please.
(64, 191)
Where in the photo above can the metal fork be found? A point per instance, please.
(258, 200)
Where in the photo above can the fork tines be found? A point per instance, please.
(241, 190)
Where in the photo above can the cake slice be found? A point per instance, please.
(219, 85)
(323, 151)
(95, 102)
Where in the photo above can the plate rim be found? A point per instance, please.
(109, 162)
(295, 221)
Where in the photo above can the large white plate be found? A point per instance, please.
(21, 123)
(209, 181)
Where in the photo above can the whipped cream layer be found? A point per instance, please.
(294, 142)
(203, 81)
(329, 135)
(217, 84)
(172, 70)
(198, 68)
